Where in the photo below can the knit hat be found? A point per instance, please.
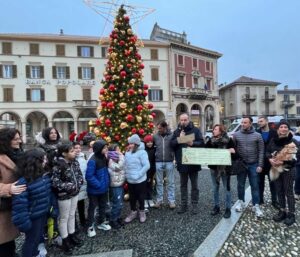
(284, 122)
(114, 155)
(134, 139)
(148, 139)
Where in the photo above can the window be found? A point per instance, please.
(181, 80)
(86, 94)
(35, 94)
(60, 72)
(154, 74)
(180, 60)
(8, 95)
(298, 98)
(61, 95)
(154, 54)
(155, 94)
(298, 110)
(34, 71)
(207, 66)
(195, 63)
(103, 52)
(86, 72)
(6, 48)
(195, 82)
(34, 49)
(208, 84)
(60, 50)
(85, 51)
(8, 71)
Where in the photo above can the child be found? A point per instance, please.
(117, 179)
(66, 182)
(136, 166)
(30, 208)
(80, 157)
(97, 179)
(150, 149)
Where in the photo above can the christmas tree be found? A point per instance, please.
(124, 110)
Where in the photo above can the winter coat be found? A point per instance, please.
(66, 179)
(116, 171)
(250, 146)
(198, 142)
(151, 156)
(83, 166)
(136, 165)
(164, 151)
(33, 203)
(8, 231)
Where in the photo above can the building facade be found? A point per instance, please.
(193, 79)
(54, 80)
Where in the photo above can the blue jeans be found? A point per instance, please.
(253, 180)
(117, 202)
(297, 180)
(168, 168)
(226, 186)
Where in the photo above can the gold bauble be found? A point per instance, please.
(123, 105)
(139, 118)
(123, 125)
(121, 94)
(108, 139)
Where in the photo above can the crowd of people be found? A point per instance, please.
(42, 189)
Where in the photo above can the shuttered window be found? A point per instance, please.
(181, 80)
(60, 50)
(35, 94)
(180, 60)
(8, 95)
(34, 72)
(6, 48)
(8, 71)
(61, 95)
(85, 51)
(103, 52)
(34, 49)
(86, 72)
(154, 74)
(155, 95)
(154, 54)
(86, 94)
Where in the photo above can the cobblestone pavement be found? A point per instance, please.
(165, 233)
(254, 237)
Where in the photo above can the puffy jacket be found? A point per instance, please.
(164, 151)
(66, 179)
(136, 165)
(32, 203)
(116, 172)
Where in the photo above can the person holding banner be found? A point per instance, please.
(221, 140)
(187, 135)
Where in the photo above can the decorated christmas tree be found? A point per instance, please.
(124, 110)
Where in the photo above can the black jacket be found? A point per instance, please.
(151, 157)
(198, 142)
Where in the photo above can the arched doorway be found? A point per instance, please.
(209, 114)
(158, 116)
(10, 120)
(83, 120)
(35, 122)
(64, 123)
(181, 108)
(196, 115)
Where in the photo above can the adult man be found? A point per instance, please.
(185, 127)
(267, 134)
(164, 157)
(250, 146)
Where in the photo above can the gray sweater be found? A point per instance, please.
(250, 146)
(164, 152)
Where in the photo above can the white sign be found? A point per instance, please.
(37, 82)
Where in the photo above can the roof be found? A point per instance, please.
(249, 81)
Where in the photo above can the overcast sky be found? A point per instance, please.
(258, 38)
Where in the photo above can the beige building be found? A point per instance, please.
(54, 80)
(248, 96)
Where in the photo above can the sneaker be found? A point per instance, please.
(290, 219)
(280, 216)
(104, 226)
(240, 206)
(42, 250)
(146, 204)
(151, 203)
(258, 211)
(57, 240)
(215, 211)
(91, 232)
(131, 217)
(158, 205)
(142, 216)
(227, 213)
(297, 197)
(172, 206)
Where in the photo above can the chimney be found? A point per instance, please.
(61, 32)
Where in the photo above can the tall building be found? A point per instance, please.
(193, 79)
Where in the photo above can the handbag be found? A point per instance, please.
(5, 203)
(238, 166)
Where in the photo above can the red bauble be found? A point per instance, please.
(150, 106)
(129, 118)
(142, 66)
(130, 92)
(138, 56)
(151, 125)
(98, 122)
(102, 91)
(110, 50)
(128, 65)
(108, 122)
(153, 114)
(136, 75)
(145, 86)
(133, 39)
(123, 73)
(141, 131)
(140, 107)
(145, 92)
(112, 87)
(126, 18)
(103, 104)
(122, 42)
(107, 77)
(110, 105)
(117, 137)
(133, 130)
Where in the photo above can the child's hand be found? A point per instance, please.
(16, 190)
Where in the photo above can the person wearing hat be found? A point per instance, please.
(97, 179)
(284, 183)
(117, 179)
(136, 166)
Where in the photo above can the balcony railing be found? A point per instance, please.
(287, 104)
(249, 97)
(85, 103)
(268, 98)
(198, 93)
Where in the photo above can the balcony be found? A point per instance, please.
(198, 93)
(268, 98)
(248, 97)
(287, 104)
(85, 104)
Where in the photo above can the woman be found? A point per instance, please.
(10, 152)
(221, 140)
(284, 183)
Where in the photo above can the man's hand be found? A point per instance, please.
(190, 143)
(259, 169)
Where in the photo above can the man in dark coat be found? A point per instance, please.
(186, 127)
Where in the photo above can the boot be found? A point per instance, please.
(74, 240)
(280, 216)
(115, 224)
(290, 219)
(215, 211)
(66, 247)
(131, 217)
(142, 216)
(227, 213)
(182, 209)
(195, 208)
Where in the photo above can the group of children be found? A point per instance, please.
(61, 189)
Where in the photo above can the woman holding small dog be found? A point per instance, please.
(285, 180)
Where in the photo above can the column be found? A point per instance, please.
(50, 123)
(23, 132)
